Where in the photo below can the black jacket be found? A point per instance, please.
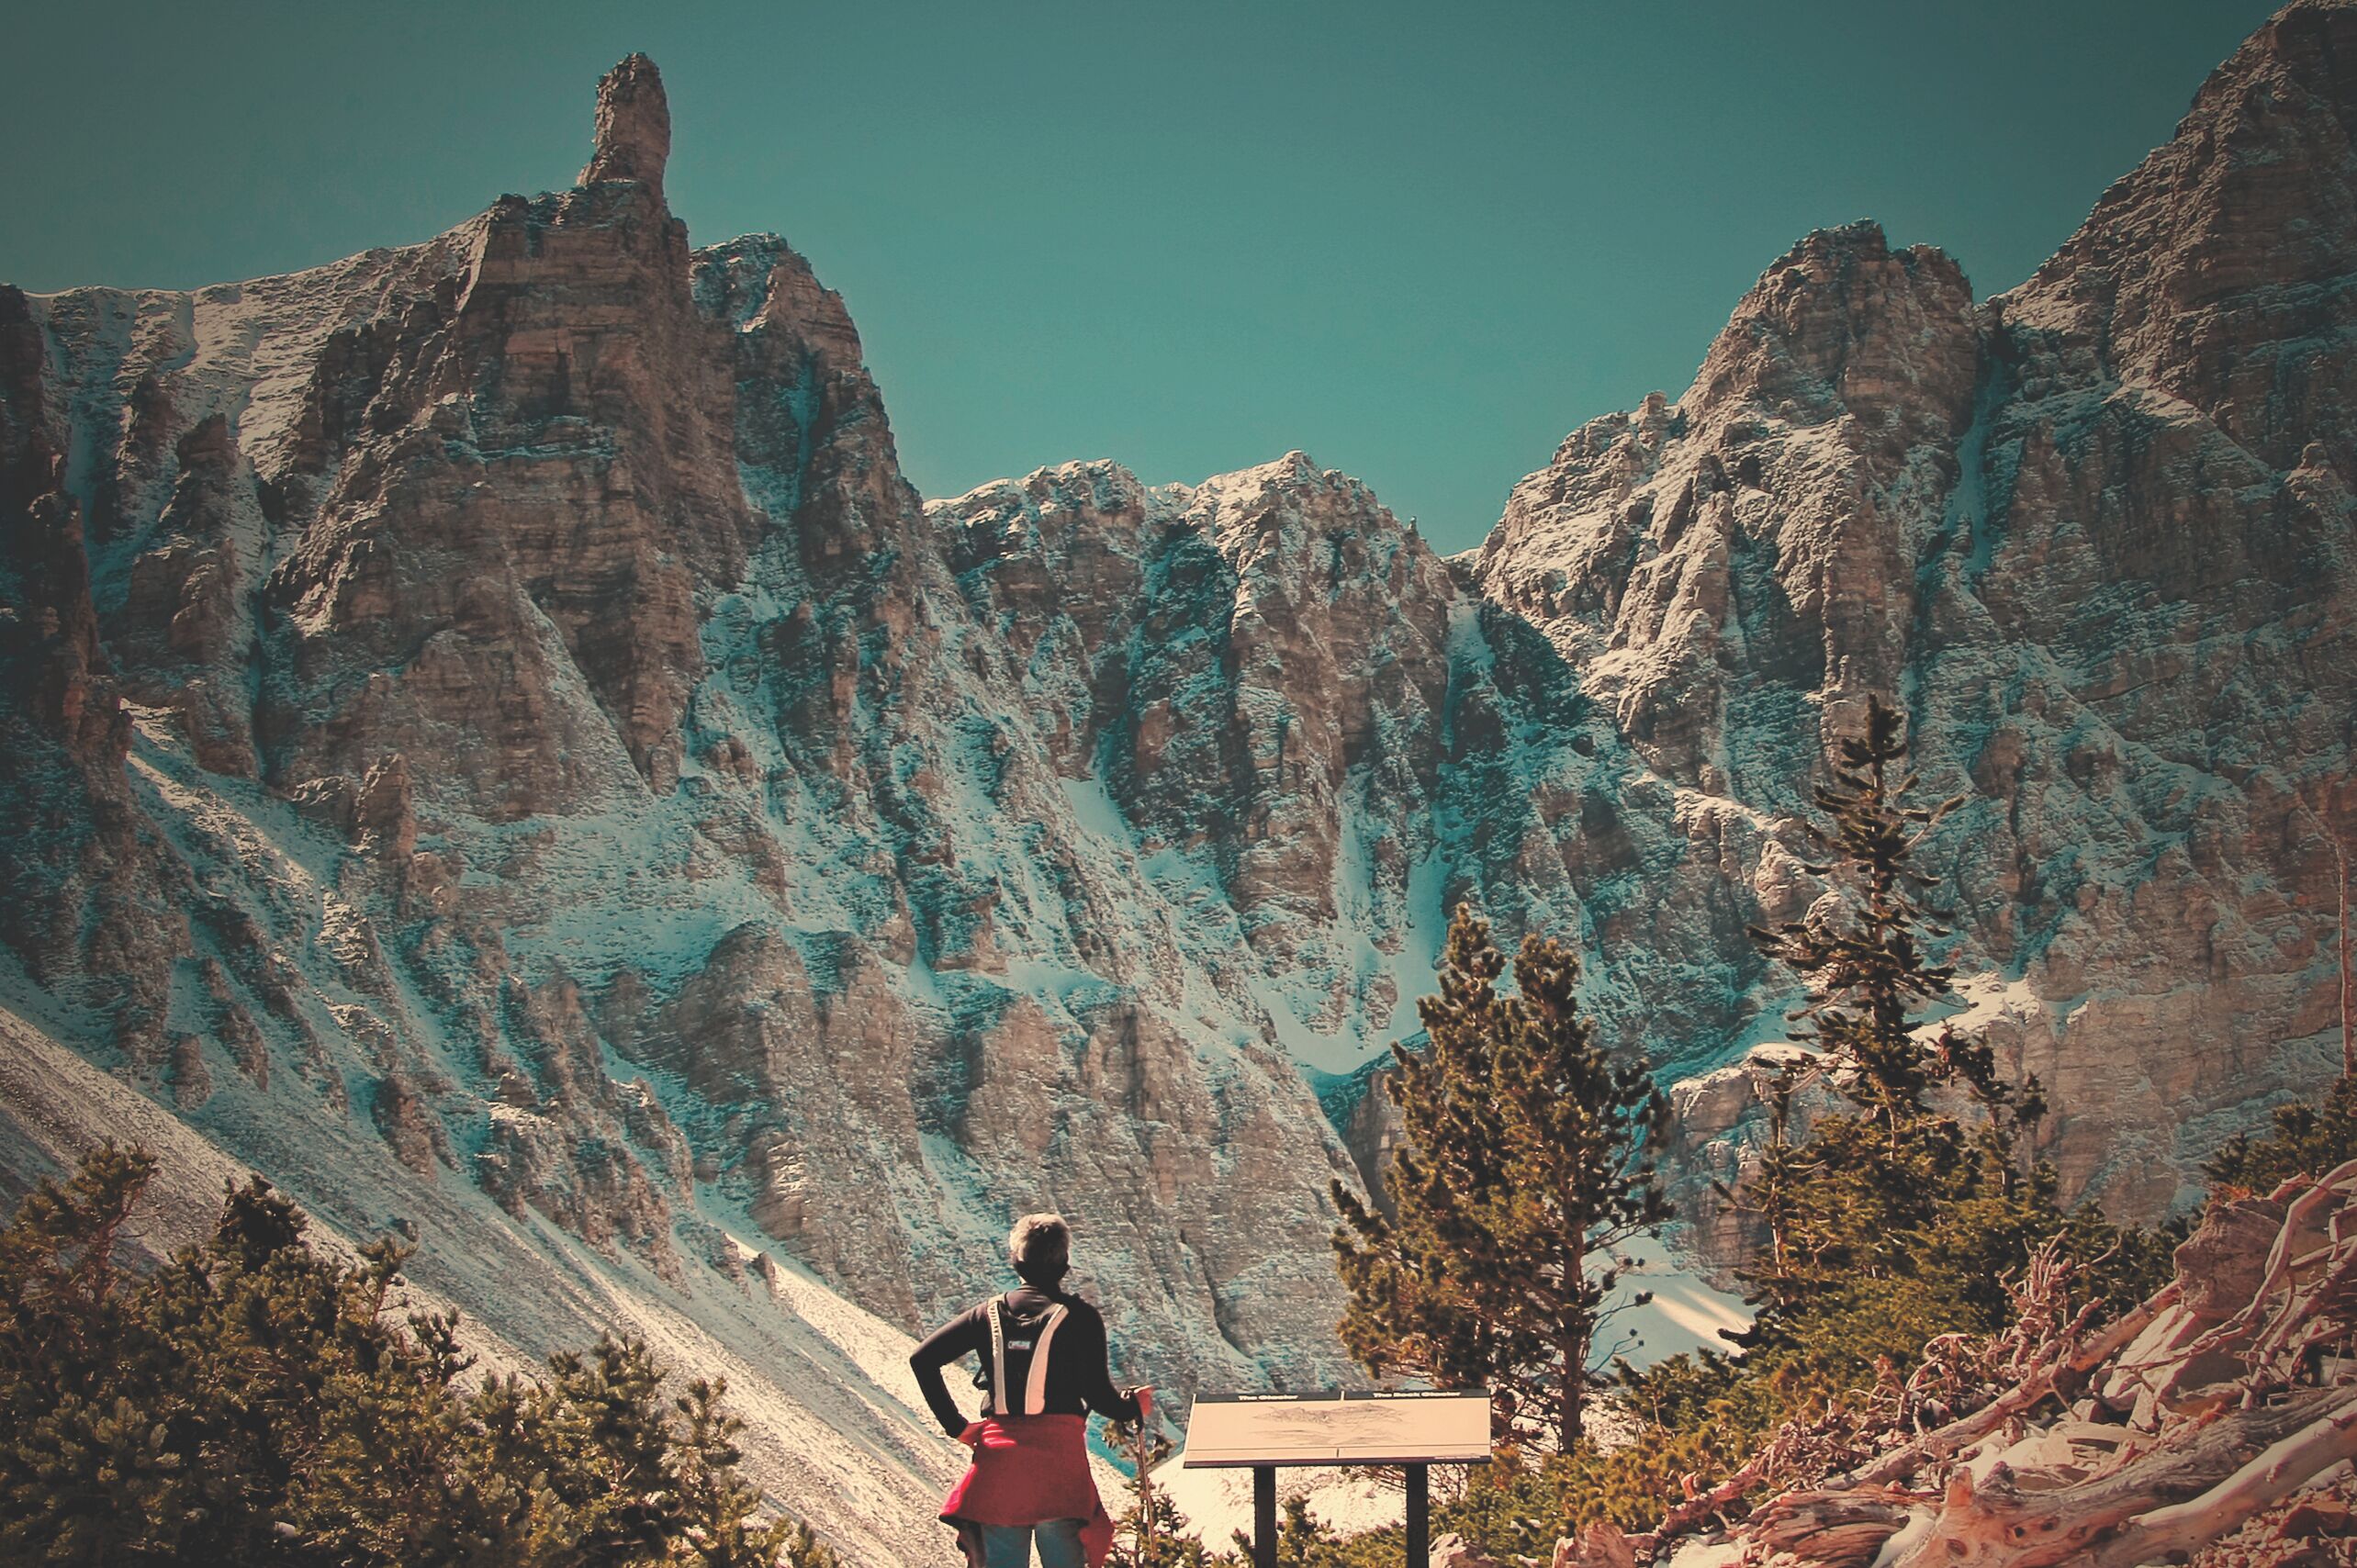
(1077, 1379)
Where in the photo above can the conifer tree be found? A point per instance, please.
(254, 1401)
(1867, 967)
(1303, 1540)
(718, 1510)
(1872, 1199)
(2305, 1140)
(1767, 1193)
(1529, 1157)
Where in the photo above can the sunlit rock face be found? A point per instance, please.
(2096, 536)
(488, 721)
(508, 688)
(500, 696)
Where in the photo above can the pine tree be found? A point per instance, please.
(254, 1401)
(1867, 968)
(1529, 1157)
(1766, 1193)
(76, 1459)
(1899, 1195)
(719, 1511)
(2305, 1140)
(1304, 1541)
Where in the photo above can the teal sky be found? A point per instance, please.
(1420, 241)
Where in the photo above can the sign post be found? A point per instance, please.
(1261, 1431)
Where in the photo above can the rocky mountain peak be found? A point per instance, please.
(507, 704)
(1843, 323)
(2070, 526)
(1808, 451)
(1267, 508)
(2220, 270)
(633, 125)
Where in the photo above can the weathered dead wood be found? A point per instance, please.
(2282, 1267)
(1837, 1529)
(1683, 1517)
(1600, 1545)
(2056, 1376)
(2215, 1456)
(2278, 1275)
(2067, 1357)
(2273, 1476)
(2315, 1313)
(1997, 1524)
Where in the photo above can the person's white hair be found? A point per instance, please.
(1040, 1247)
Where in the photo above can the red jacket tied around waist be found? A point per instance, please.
(1043, 1360)
(1027, 1470)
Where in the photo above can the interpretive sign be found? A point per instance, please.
(1235, 1430)
(1261, 1431)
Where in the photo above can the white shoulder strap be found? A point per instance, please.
(997, 1361)
(1035, 1392)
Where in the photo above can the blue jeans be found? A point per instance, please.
(1009, 1546)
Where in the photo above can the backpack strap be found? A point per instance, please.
(1035, 1392)
(997, 1360)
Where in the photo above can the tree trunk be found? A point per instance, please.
(2348, 977)
(2183, 1528)
(2348, 969)
(1574, 1390)
(1572, 1340)
(1573, 1394)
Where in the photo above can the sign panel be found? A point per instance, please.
(1232, 1430)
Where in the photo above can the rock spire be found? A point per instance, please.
(633, 125)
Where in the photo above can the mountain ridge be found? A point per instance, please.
(499, 698)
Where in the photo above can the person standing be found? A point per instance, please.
(1043, 1369)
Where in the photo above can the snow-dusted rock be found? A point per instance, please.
(507, 703)
(496, 704)
(2096, 535)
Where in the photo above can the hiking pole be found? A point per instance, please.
(1145, 1475)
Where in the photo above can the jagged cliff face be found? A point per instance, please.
(514, 697)
(2096, 535)
(498, 698)
(1315, 740)
(503, 694)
